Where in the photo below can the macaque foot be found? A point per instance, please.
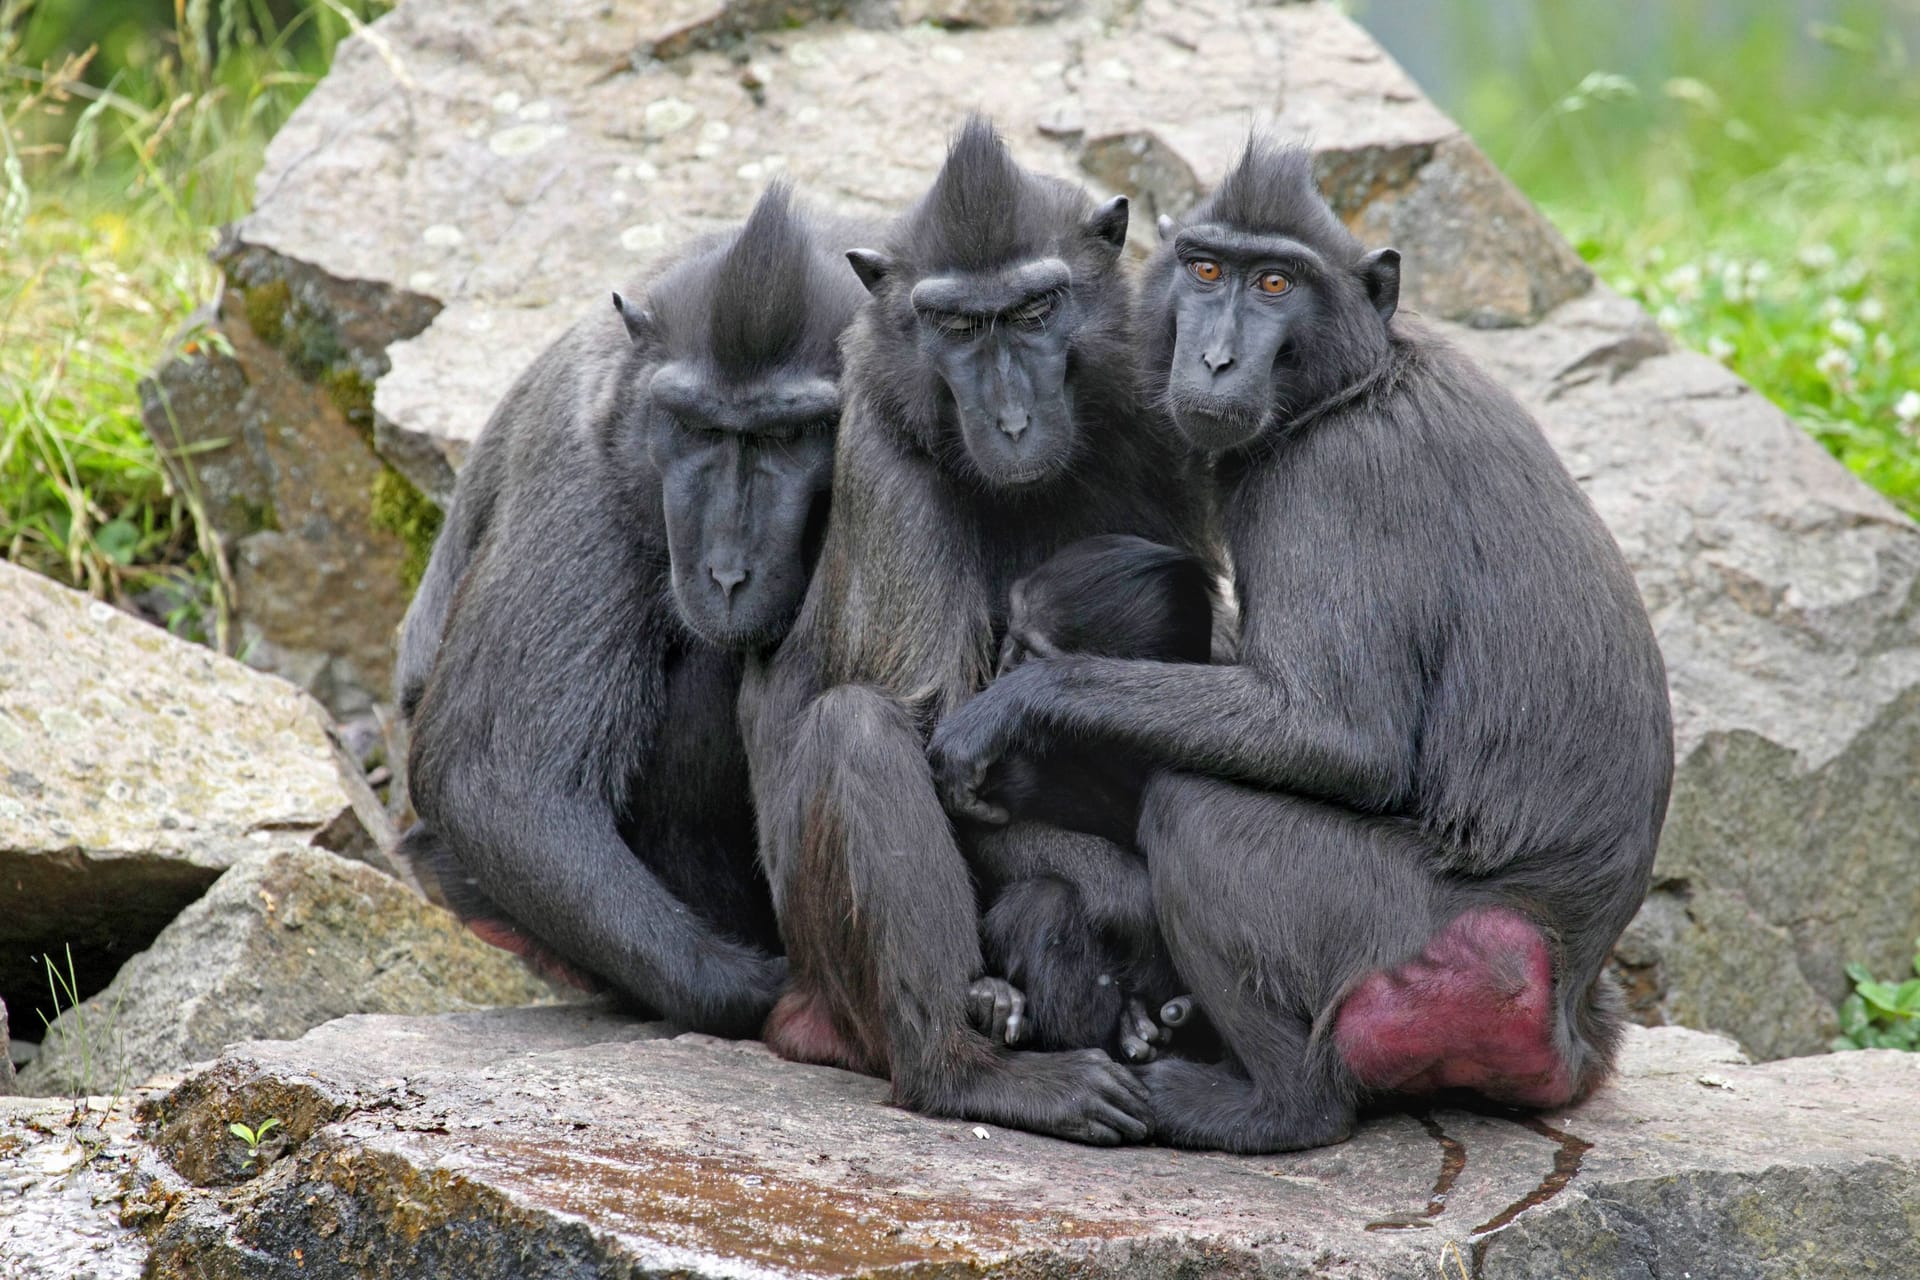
(997, 1010)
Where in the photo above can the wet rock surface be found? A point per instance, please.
(288, 938)
(134, 769)
(76, 1186)
(570, 1142)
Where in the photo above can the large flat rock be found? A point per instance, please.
(572, 1143)
(134, 769)
(512, 161)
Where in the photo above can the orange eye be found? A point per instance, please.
(1274, 283)
(1205, 270)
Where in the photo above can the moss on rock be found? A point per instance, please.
(402, 510)
(267, 305)
(352, 395)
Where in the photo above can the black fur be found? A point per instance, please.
(1070, 922)
(1447, 694)
(926, 537)
(576, 759)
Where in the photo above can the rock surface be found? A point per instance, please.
(284, 470)
(566, 1142)
(6, 1052)
(285, 940)
(76, 1185)
(134, 769)
(507, 162)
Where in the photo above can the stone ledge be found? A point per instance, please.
(538, 1144)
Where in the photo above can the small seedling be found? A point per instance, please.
(253, 1137)
(1880, 1015)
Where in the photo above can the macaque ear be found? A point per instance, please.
(1380, 270)
(1164, 226)
(638, 319)
(1109, 222)
(870, 266)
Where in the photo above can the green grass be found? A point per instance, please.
(1759, 194)
(1799, 275)
(113, 182)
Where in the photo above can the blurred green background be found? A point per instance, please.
(1747, 168)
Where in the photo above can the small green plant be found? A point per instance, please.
(1880, 1015)
(253, 1137)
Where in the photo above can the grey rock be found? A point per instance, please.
(289, 938)
(6, 1052)
(134, 769)
(1786, 596)
(282, 462)
(547, 1145)
(563, 163)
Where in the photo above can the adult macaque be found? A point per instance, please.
(642, 509)
(1409, 823)
(991, 419)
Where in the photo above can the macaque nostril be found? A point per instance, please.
(728, 578)
(1013, 422)
(1217, 363)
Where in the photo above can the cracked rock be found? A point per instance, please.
(134, 769)
(289, 938)
(567, 1142)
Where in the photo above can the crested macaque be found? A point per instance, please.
(1392, 843)
(992, 418)
(641, 511)
(1089, 977)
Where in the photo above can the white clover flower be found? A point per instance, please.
(1720, 349)
(1694, 92)
(1907, 408)
(1683, 281)
(1818, 257)
(1883, 346)
(1759, 271)
(1833, 308)
(1851, 273)
(1625, 286)
(1834, 364)
(1846, 331)
(1669, 317)
(1871, 310)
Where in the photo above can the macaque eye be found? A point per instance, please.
(1205, 270)
(1034, 311)
(697, 432)
(956, 325)
(1272, 282)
